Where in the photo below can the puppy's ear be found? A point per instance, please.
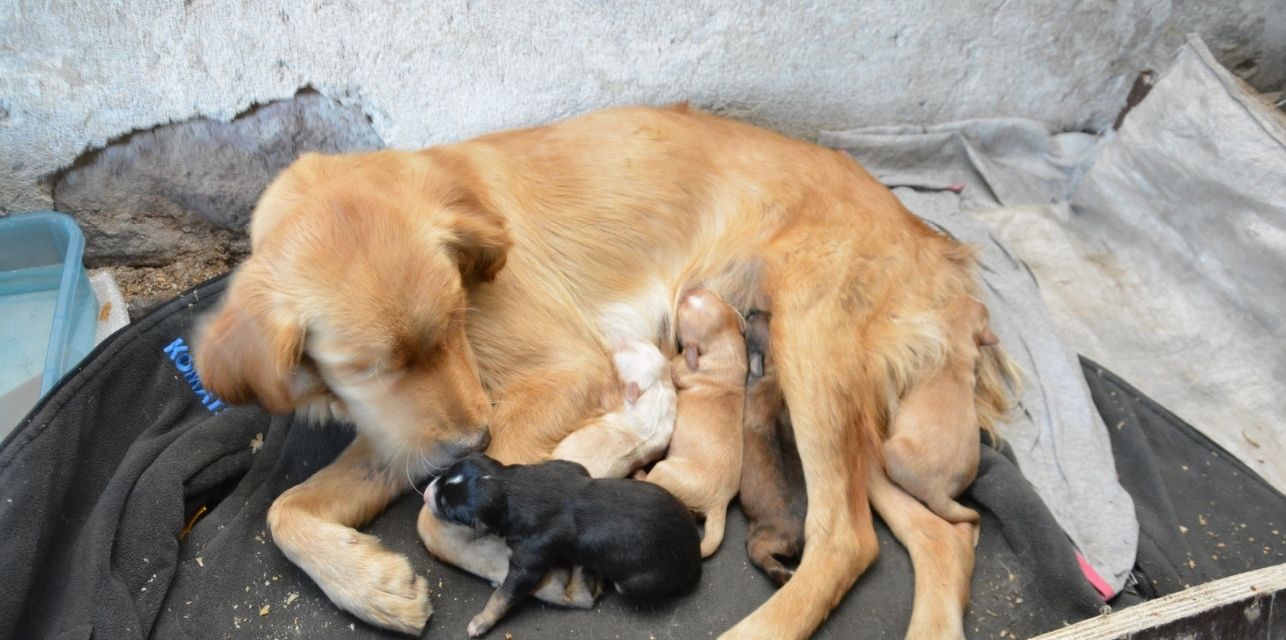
(245, 353)
(691, 353)
(983, 337)
(632, 392)
(486, 465)
(479, 237)
(487, 502)
(464, 512)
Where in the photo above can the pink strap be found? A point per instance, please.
(1100, 585)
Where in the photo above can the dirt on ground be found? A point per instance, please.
(145, 288)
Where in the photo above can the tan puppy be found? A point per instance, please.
(932, 448)
(703, 465)
(619, 442)
(772, 481)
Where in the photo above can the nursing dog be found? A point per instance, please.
(630, 534)
(467, 297)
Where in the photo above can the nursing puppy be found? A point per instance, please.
(772, 481)
(617, 443)
(933, 448)
(553, 514)
(703, 465)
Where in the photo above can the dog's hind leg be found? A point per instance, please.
(823, 374)
(941, 555)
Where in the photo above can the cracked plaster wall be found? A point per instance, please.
(75, 75)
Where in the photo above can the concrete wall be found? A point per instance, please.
(75, 76)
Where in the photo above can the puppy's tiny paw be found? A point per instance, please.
(780, 575)
(582, 590)
(480, 624)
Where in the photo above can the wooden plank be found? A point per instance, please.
(1235, 607)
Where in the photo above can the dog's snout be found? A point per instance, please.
(475, 442)
(484, 440)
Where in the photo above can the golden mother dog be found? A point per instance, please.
(433, 297)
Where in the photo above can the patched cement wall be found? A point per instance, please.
(196, 181)
(78, 77)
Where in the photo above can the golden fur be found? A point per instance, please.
(429, 295)
(703, 465)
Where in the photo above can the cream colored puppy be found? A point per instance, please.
(617, 443)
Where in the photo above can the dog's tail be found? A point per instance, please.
(715, 521)
(997, 389)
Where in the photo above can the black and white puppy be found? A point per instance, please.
(633, 534)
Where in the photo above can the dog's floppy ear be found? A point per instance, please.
(479, 238)
(245, 354)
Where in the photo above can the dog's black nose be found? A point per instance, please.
(476, 442)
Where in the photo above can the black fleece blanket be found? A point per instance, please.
(100, 479)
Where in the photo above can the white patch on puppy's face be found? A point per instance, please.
(457, 479)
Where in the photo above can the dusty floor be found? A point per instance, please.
(144, 288)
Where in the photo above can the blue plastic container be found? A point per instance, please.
(47, 309)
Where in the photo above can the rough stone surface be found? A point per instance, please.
(1246, 36)
(184, 192)
(74, 76)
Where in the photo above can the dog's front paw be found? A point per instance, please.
(481, 624)
(367, 580)
(398, 596)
